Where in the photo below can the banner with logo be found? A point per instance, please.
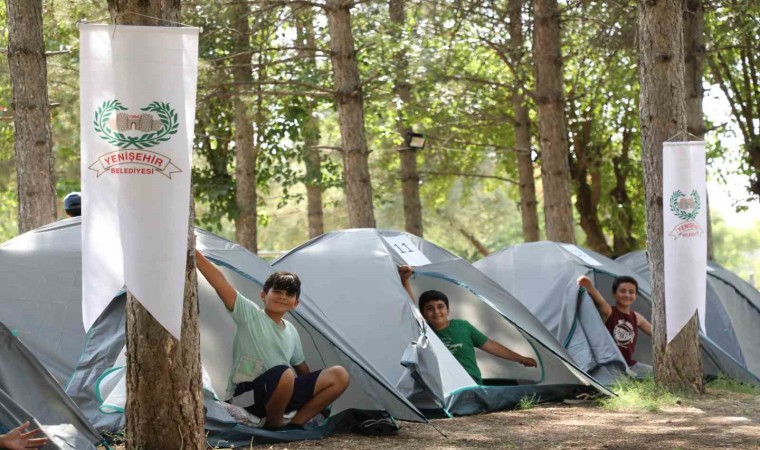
(137, 111)
(684, 194)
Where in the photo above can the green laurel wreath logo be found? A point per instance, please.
(680, 213)
(167, 116)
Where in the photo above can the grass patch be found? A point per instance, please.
(527, 402)
(644, 395)
(722, 382)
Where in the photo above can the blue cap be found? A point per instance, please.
(72, 201)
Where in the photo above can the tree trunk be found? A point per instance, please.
(622, 241)
(351, 115)
(410, 178)
(662, 115)
(245, 150)
(305, 34)
(694, 57)
(527, 185)
(552, 130)
(164, 399)
(33, 142)
(587, 157)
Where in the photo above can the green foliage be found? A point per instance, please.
(643, 395)
(734, 68)
(735, 247)
(724, 383)
(527, 402)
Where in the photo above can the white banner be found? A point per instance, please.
(137, 113)
(684, 194)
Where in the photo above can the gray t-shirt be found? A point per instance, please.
(260, 343)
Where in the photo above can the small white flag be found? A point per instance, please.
(137, 113)
(685, 221)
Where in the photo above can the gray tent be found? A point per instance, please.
(352, 275)
(29, 392)
(543, 277)
(41, 275)
(550, 263)
(733, 310)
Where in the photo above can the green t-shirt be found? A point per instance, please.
(461, 338)
(260, 344)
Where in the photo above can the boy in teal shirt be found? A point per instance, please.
(269, 374)
(459, 336)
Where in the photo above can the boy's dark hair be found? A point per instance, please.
(431, 296)
(284, 281)
(624, 279)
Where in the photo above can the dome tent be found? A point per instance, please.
(352, 276)
(733, 310)
(29, 392)
(41, 274)
(527, 269)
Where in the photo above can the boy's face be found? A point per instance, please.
(436, 314)
(625, 294)
(278, 301)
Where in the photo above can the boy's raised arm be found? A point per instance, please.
(604, 308)
(405, 272)
(217, 280)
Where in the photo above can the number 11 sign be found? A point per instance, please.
(407, 251)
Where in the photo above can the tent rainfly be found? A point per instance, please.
(541, 273)
(352, 276)
(733, 310)
(48, 316)
(29, 392)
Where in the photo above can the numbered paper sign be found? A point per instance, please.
(585, 257)
(407, 251)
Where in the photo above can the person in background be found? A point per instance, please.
(72, 204)
(621, 321)
(459, 336)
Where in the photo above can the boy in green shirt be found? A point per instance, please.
(269, 374)
(459, 336)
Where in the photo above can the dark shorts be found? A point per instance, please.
(264, 385)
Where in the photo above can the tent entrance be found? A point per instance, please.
(464, 304)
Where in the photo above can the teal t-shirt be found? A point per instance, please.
(461, 338)
(260, 344)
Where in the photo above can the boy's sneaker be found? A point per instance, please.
(579, 399)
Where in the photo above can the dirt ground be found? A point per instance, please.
(719, 419)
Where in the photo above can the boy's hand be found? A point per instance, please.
(584, 282)
(405, 272)
(19, 439)
(528, 362)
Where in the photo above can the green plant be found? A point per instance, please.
(527, 402)
(726, 383)
(646, 395)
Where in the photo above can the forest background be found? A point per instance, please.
(449, 70)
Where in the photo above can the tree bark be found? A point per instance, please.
(349, 99)
(527, 184)
(245, 149)
(410, 178)
(587, 159)
(312, 160)
(33, 142)
(552, 129)
(662, 115)
(694, 67)
(164, 399)
(622, 241)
